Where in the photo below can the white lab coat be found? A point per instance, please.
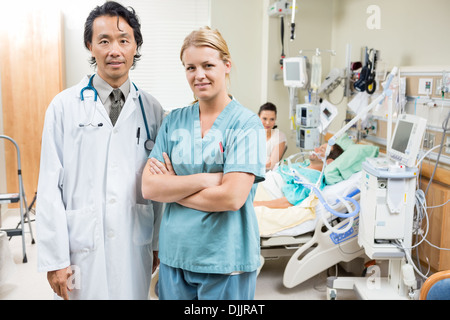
(90, 209)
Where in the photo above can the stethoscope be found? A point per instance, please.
(148, 144)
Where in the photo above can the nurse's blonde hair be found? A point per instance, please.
(207, 37)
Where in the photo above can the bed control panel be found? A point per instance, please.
(351, 233)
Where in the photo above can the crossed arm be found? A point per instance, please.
(212, 192)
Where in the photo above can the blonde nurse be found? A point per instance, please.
(205, 164)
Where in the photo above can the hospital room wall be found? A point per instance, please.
(255, 44)
(415, 38)
(410, 33)
(243, 25)
(412, 38)
(240, 22)
(312, 30)
(77, 56)
(254, 41)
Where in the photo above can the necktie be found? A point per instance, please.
(115, 106)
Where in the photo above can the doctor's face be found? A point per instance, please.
(113, 46)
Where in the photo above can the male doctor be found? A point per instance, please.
(97, 236)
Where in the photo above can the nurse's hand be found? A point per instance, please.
(58, 281)
(157, 167)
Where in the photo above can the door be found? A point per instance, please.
(31, 68)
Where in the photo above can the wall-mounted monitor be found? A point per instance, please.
(407, 138)
(294, 72)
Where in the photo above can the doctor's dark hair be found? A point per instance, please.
(114, 9)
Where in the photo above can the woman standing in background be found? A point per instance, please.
(276, 139)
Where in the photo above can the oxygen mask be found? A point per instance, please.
(317, 155)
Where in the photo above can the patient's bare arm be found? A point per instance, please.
(280, 203)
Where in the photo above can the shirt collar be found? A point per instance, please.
(104, 89)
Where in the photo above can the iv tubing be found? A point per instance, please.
(308, 185)
(379, 99)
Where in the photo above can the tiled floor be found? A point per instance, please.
(25, 283)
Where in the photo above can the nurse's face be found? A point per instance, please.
(206, 72)
(113, 46)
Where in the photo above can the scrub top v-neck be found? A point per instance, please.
(212, 242)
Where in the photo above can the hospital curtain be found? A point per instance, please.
(164, 26)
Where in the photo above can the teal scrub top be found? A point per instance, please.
(212, 242)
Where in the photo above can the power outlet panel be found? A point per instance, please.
(425, 86)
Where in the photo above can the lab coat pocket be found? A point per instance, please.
(83, 230)
(143, 224)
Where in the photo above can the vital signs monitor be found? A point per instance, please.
(294, 72)
(407, 139)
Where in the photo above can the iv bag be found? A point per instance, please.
(316, 73)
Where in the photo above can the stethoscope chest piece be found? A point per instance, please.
(149, 144)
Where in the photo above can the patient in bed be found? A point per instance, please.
(293, 192)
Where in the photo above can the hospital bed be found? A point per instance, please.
(303, 236)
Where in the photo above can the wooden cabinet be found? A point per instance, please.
(439, 221)
(31, 67)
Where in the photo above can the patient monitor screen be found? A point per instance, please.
(407, 139)
(292, 71)
(401, 138)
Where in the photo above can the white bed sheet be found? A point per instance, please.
(330, 193)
